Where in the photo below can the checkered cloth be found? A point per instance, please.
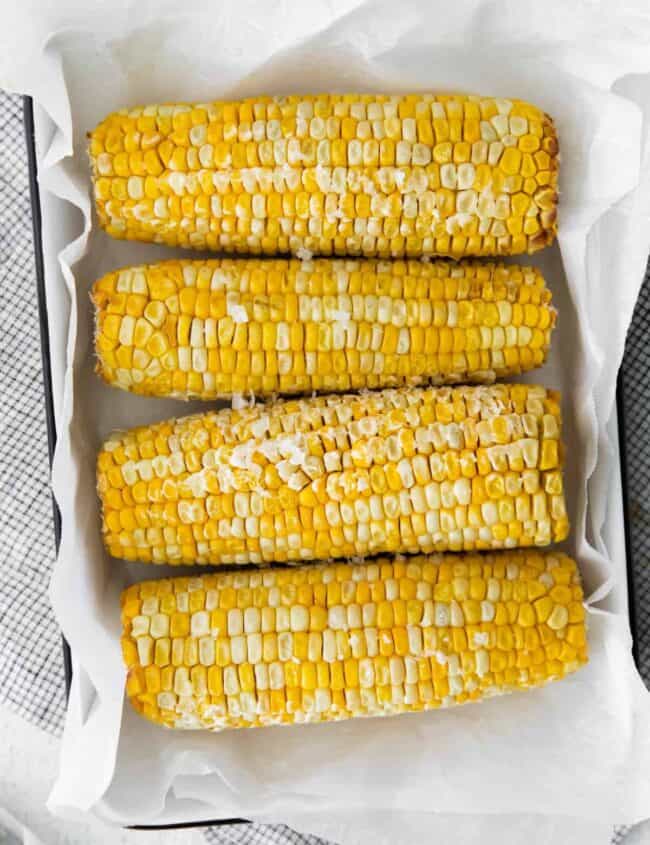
(635, 380)
(259, 834)
(31, 666)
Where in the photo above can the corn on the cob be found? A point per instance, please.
(410, 470)
(353, 174)
(321, 643)
(213, 328)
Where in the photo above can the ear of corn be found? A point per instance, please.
(353, 174)
(206, 329)
(330, 642)
(410, 470)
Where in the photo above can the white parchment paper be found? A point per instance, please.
(578, 749)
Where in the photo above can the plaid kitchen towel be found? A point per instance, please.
(259, 834)
(31, 666)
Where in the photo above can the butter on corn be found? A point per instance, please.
(322, 643)
(352, 174)
(205, 329)
(409, 470)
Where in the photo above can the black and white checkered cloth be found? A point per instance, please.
(31, 664)
(636, 401)
(259, 834)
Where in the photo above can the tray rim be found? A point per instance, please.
(28, 121)
(632, 593)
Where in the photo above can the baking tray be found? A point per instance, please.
(28, 115)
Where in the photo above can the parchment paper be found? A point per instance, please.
(580, 748)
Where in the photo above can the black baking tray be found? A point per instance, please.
(28, 113)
